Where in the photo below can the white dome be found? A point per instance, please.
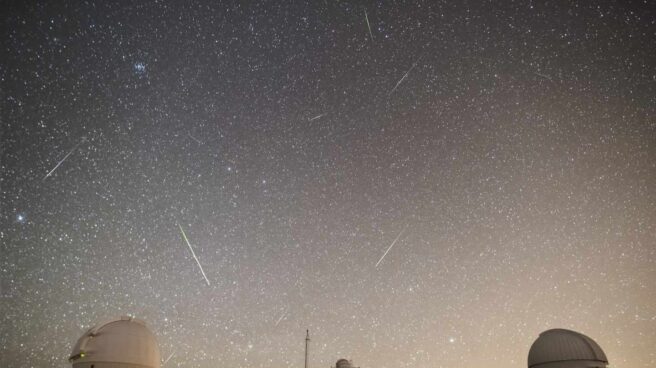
(124, 342)
(560, 348)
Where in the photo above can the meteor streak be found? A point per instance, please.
(368, 25)
(169, 358)
(194, 138)
(403, 78)
(63, 159)
(284, 314)
(391, 245)
(544, 76)
(193, 254)
(317, 117)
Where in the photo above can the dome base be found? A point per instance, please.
(107, 365)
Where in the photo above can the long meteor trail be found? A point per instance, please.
(403, 78)
(368, 25)
(62, 160)
(284, 314)
(169, 358)
(194, 138)
(193, 254)
(318, 116)
(391, 245)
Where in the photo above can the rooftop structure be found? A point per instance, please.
(125, 342)
(560, 348)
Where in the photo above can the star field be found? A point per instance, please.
(421, 184)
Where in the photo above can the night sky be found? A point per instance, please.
(421, 184)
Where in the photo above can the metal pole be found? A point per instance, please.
(307, 345)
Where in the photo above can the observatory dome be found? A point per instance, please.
(120, 343)
(343, 363)
(560, 348)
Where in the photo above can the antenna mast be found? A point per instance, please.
(307, 345)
